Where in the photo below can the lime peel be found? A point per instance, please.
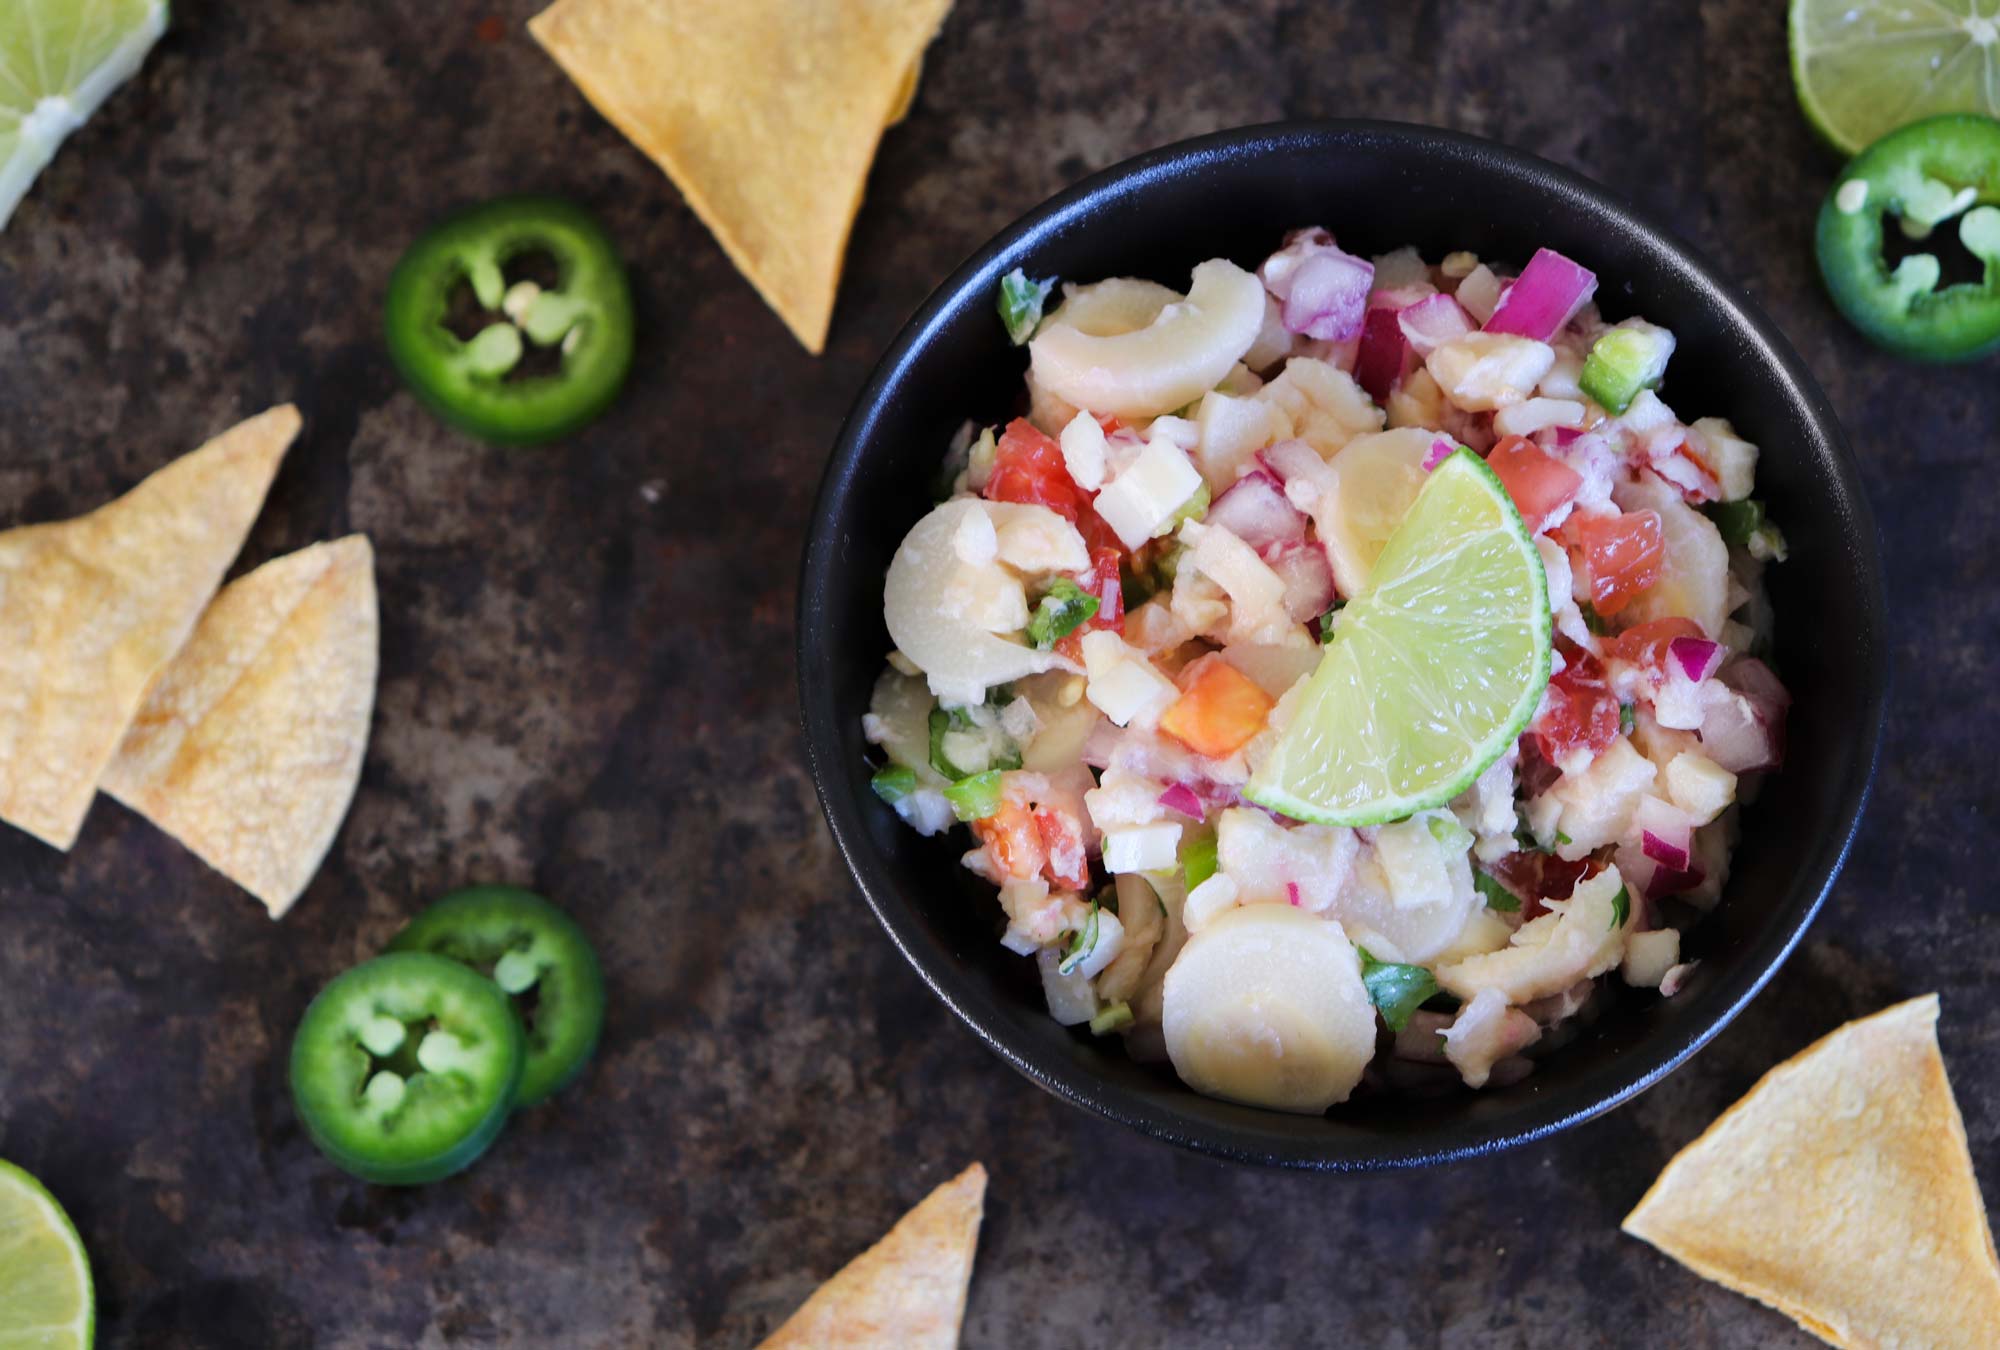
(1864, 68)
(1432, 674)
(44, 1272)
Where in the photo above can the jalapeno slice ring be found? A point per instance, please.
(479, 380)
(404, 1068)
(1943, 172)
(540, 957)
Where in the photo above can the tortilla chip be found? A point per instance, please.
(91, 608)
(1840, 1192)
(907, 95)
(249, 744)
(765, 113)
(908, 1290)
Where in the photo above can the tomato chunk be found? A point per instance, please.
(1539, 483)
(1062, 841)
(1219, 710)
(1623, 553)
(1581, 713)
(1028, 467)
(1646, 644)
(1013, 840)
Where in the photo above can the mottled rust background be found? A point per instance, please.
(587, 688)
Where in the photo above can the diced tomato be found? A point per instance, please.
(1112, 426)
(1539, 483)
(1062, 843)
(1623, 553)
(1646, 644)
(1028, 467)
(1097, 536)
(1013, 840)
(1219, 710)
(1581, 712)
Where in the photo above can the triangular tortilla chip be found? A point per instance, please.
(765, 113)
(249, 744)
(908, 1290)
(1840, 1192)
(91, 608)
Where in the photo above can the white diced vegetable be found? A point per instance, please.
(1142, 848)
(1414, 861)
(1479, 292)
(1537, 414)
(987, 598)
(1123, 684)
(1306, 865)
(1320, 404)
(974, 541)
(1097, 944)
(1578, 939)
(1035, 541)
(1729, 457)
(1485, 1032)
(1142, 501)
(1123, 798)
(1071, 1000)
(1083, 451)
(1597, 804)
(1560, 381)
(1256, 593)
(1232, 430)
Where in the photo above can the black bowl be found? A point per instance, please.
(1376, 186)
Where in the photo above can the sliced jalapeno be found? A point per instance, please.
(538, 955)
(1943, 172)
(463, 323)
(404, 1068)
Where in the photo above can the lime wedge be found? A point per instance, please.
(45, 1296)
(60, 59)
(1862, 68)
(1431, 674)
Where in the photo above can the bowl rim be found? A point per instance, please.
(1535, 1119)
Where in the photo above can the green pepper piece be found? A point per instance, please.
(404, 1068)
(1924, 174)
(539, 957)
(586, 318)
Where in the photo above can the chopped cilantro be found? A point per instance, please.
(1021, 302)
(1562, 839)
(1082, 942)
(1065, 608)
(1396, 990)
(1621, 908)
(1592, 619)
(1326, 624)
(1626, 720)
(1498, 898)
(894, 783)
(1002, 753)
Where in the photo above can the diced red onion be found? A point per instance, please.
(1292, 893)
(1308, 578)
(1432, 322)
(1379, 361)
(1666, 833)
(1254, 509)
(1547, 295)
(1746, 733)
(1663, 852)
(1697, 658)
(1439, 452)
(1327, 295)
(1293, 459)
(1181, 798)
(1673, 881)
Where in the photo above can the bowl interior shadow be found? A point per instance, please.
(1376, 187)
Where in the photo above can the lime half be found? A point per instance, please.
(1432, 674)
(45, 1295)
(1863, 68)
(60, 59)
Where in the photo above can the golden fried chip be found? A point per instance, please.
(765, 113)
(1840, 1192)
(91, 608)
(249, 744)
(908, 1290)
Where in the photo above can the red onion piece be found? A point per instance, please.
(1327, 295)
(1697, 658)
(1293, 459)
(1432, 322)
(1547, 295)
(1746, 733)
(1439, 452)
(1664, 852)
(1181, 798)
(1308, 578)
(1254, 509)
(1292, 893)
(1384, 350)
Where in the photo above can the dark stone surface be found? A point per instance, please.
(587, 688)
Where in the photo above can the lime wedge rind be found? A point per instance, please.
(1863, 68)
(42, 1260)
(38, 109)
(1391, 727)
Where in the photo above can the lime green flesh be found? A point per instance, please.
(59, 60)
(45, 1294)
(1432, 674)
(1863, 68)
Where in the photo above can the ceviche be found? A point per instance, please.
(1341, 670)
